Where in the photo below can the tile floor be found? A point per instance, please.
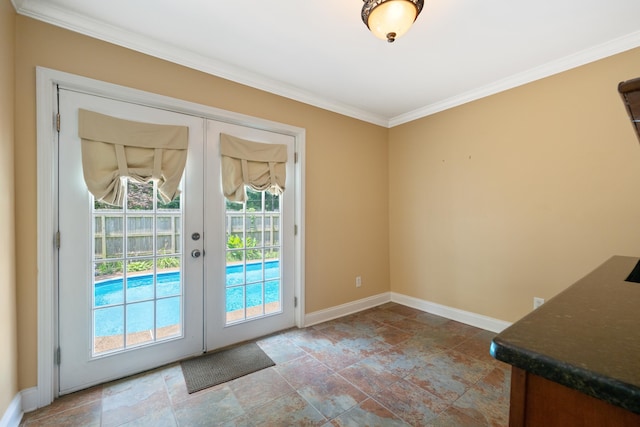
(387, 366)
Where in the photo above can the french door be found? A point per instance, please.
(119, 313)
(250, 280)
(150, 282)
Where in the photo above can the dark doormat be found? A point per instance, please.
(216, 368)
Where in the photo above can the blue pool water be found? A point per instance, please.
(109, 297)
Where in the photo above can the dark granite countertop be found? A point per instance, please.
(586, 338)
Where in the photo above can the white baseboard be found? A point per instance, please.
(30, 400)
(13, 414)
(345, 309)
(467, 317)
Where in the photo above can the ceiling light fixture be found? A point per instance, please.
(390, 19)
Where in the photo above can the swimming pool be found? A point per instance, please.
(109, 297)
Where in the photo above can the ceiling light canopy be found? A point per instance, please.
(389, 19)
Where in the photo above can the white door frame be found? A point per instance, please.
(47, 81)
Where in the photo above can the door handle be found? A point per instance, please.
(196, 253)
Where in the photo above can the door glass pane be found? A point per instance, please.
(140, 320)
(140, 233)
(255, 300)
(253, 282)
(137, 288)
(109, 283)
(168, 277)
(139, 278)
(168, 317)
(108, 241)
(272, 297)
(139, 196)
(108, 329)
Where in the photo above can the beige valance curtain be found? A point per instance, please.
(114, 148)
(258, 165)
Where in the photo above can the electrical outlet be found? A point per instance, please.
(537, 302)
(358, 281)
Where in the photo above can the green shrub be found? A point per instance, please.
(234, 241)
(135, 266)
(255, 253)
(171, 262)
(108, 268)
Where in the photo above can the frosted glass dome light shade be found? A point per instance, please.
(390, 19)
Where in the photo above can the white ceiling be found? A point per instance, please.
(319, 52)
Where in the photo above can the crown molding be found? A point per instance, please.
(45, 12)
(17, 4)
(583, 57)
(42, 11)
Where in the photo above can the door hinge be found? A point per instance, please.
(58, 122)
(295, 157)
(295, 302)
(57, 239)
(57, 356)
(295, 230)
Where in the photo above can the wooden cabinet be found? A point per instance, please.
(537, 402)
(575, 360)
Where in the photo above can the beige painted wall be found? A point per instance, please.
(491, 203)
(8, 325)
(346, 215)
(516, 195)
